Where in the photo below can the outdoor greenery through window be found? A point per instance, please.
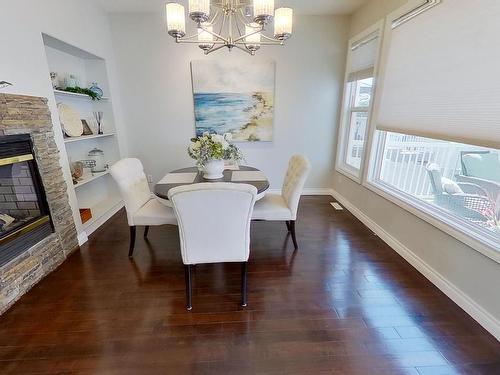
(360, 95)
(462, 180)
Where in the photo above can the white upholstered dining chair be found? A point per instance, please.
(284, 206)
(142, 207)
(214, 226)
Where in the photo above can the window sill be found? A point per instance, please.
(459, 229)
(349, 173)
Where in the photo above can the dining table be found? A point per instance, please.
(193, 175)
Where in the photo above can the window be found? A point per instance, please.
(435, 132)
(360, 94)
(459, 181)
(357, 102)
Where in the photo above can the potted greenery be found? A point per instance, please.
(210, 151)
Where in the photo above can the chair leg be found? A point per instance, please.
(294, 238)
(189, 288)
(146, 231)
(287, 225)
(132, 242)
(244, 268)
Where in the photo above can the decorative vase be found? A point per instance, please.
(96, 90)
(97, 156)
(98, 119)
(53, 78)
(72, 81)
(213, 170)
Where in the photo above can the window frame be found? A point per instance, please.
(347, 110)
(459, 228)
(350, 110)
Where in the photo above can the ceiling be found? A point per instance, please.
(309, 7)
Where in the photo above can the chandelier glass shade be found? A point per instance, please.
(232, 24)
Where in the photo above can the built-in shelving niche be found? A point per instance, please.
(97, 192)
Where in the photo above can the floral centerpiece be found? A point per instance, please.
(210, 151)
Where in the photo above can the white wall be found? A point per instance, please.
(157, 95)
(373, 11)
(472, 278)
(23, 61)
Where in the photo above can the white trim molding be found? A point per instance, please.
(317, 191)
(82, 238)
(427, 4)
(477, 312)
(462, 230)
(306, 191)
(375, 31)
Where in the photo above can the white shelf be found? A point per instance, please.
(77, 95)
(101, 209)
(85, 137)
(94, 177)
(100, 193)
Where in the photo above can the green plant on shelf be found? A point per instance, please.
(80, 90)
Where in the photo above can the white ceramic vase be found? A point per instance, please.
(213, 170)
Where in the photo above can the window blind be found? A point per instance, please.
(361, 74)
(362, 55)
(441, 74)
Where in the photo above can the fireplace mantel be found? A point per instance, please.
(30, 115)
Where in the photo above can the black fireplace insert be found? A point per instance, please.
(24, 213)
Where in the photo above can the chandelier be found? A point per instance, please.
(242, 21)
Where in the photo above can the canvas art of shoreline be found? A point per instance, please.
(234, 99)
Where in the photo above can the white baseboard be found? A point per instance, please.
(477, 312)
(317, 191)
(82, 238)
(306, 191)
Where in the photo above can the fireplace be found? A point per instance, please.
(32, 180)
(24, 212)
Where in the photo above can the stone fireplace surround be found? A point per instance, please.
(30, 115)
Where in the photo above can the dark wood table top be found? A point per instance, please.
(161, 190)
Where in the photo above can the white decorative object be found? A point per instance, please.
(53, 78)
(98, 156)
(94, 127)
(70, 120)
(210, 151)
(235, 25)
(213, 170)
(72, 81)
(98, 119)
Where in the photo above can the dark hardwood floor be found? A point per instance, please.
(345, 303)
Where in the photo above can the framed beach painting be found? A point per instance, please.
(231, 97)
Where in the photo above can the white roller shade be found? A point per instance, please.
(361, 74)
(363, 54)
(441, 74)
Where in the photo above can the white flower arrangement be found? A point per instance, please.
(210, 147)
